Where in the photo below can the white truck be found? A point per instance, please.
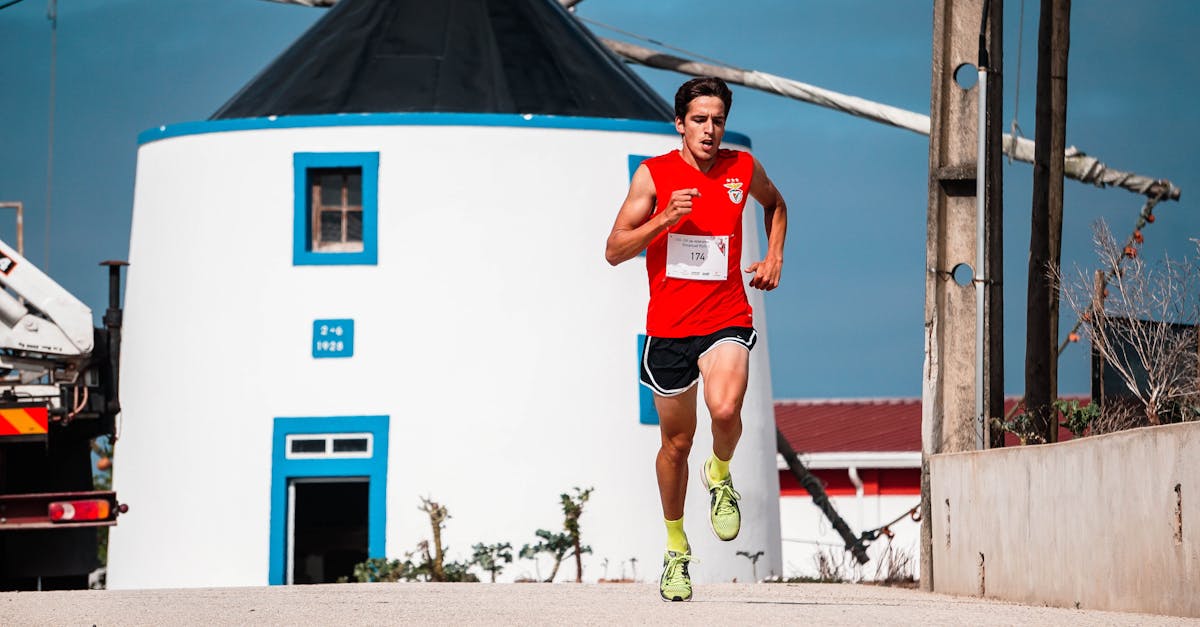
(58, 393)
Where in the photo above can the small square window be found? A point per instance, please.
(337, 221)
(336, 208)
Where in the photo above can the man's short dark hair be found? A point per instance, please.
(702, 86)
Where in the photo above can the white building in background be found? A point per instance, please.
(376, 275)
(867, 455)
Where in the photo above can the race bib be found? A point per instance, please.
(697, 257)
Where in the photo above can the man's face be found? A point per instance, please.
(703, 127)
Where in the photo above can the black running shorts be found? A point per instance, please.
(671, 365)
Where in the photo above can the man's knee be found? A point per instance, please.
(725, 411)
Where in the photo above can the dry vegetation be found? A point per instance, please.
(1141, 319)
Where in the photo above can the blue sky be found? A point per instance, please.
(847, 319)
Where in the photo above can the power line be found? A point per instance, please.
(695, 55)
(52, 15)
(10, 3)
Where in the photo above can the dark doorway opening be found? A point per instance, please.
(329, 533)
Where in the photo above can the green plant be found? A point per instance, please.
(555, 545)
(459, 572)
(381, 569)
(572, 510)
(1077, 418)
(492, 557)
(559, 545)
(432, 565)
(1022, 426)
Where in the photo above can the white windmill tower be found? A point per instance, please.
(377, 274)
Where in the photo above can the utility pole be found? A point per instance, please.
(1045, 237)
(993, 357)
(952, 413)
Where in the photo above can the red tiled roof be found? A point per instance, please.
(843, 425)
(860, 425)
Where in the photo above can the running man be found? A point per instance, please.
(684, 209)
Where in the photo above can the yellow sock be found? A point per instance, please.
(717, 470)
(676, 538)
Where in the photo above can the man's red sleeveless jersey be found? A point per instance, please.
(683, 307)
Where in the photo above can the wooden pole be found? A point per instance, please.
(1060, 43)
(1045, 237)
(993, 382)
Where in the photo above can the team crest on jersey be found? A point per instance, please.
(734, 186)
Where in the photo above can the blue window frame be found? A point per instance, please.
(370, 463)
(634, 162)
(647, 414)
(365, 166)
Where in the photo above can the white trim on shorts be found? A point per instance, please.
(657, 389)
(734, 338)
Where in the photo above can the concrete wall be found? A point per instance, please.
(1109, 522)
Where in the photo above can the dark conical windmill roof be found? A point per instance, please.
(467, 56)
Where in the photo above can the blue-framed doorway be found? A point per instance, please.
(342, 450)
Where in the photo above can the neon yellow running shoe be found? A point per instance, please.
(675, 584)
(723, 511)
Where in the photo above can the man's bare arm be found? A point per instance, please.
(632, 232)
(767, 271)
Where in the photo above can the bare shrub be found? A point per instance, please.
(1141, 320)
(1118, 415)
(895, 567)
(831, 565)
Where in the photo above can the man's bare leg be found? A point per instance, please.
(677, 426)
(725, 369)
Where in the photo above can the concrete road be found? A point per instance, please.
(538, 604)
